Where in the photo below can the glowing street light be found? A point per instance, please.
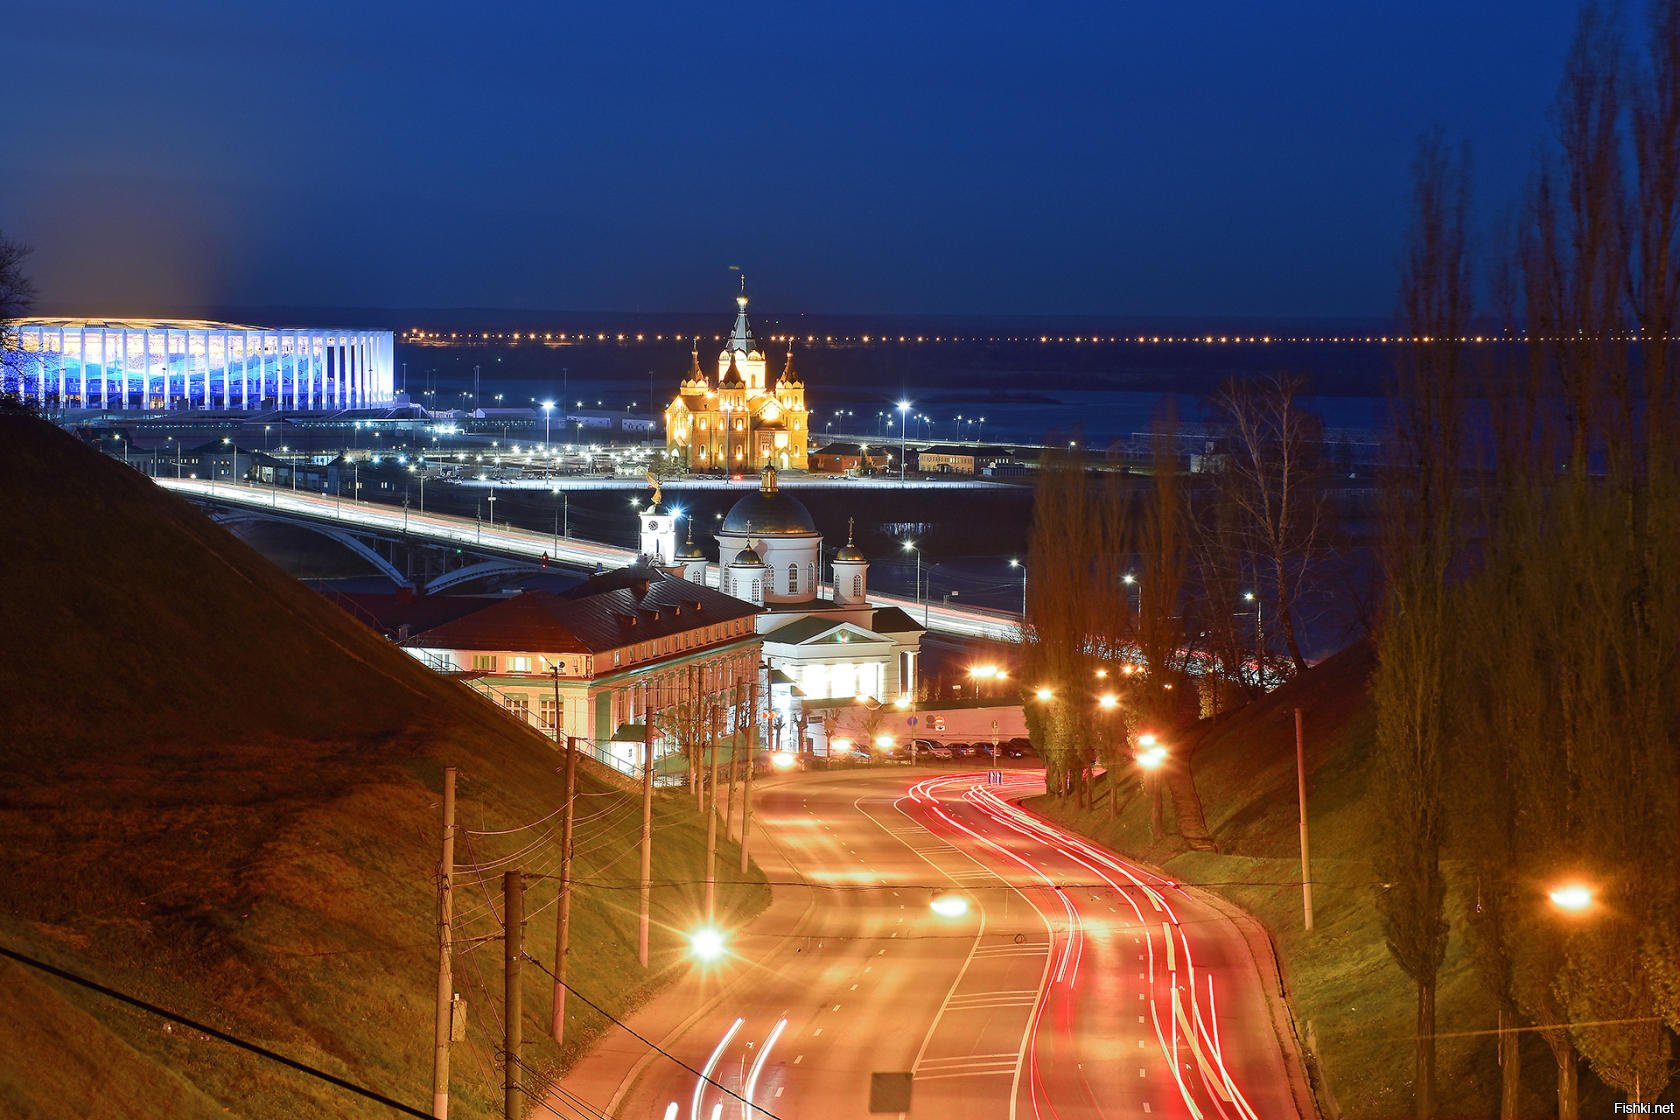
(1045, 694)
(884, 742)
(707, 944)
(783, 760)
(839, 746)
(1108, 700)
(1572, 898)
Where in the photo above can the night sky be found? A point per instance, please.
(1117, 159)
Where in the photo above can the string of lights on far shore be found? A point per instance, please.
(417, 337)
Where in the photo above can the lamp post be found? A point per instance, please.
(1259, 636)
(903, 438)
(124, 443)
(910, 546)
(1023, 567)
(548, 411)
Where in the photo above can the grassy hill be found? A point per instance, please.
(1340, 977)
(220, 794)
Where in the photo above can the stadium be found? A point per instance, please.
(145, 366)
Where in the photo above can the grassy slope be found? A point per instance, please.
(1340, 977)
(221, 795)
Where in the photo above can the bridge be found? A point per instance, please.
(500, 548)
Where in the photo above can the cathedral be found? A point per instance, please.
(740, 422)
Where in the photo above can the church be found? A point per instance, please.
(740, 421)
(831, 649)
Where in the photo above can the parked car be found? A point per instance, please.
(940, 751)
(1019, 747)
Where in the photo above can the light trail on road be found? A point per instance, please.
(1072, 985)
(1219, 1092)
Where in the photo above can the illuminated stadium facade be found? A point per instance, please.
(135, 365)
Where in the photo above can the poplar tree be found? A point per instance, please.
(1415, 645)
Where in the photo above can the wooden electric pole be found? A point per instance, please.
(513, 939)
(445, 978)
(563, 907)
(1301, 795)
(752, 754)
(734, 754)
(711, 810)
(647, 831)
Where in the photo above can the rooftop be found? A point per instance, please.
(609, 611)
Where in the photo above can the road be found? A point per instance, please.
(524, 544)
(1075, 985)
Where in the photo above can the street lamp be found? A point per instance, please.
(1259, 635)
(1572, 898)
(1023, 567)
(707, 944)
(910, 546)
(548, 411)
(903, 408)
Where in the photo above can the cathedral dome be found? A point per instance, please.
(770, 513)
(747, 558)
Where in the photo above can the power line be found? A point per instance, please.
(649, 1043)
(232, 1040)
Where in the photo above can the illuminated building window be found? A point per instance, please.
(519, 708)
(519, 664)
(548, 713)
(484, 662)
(793, 579)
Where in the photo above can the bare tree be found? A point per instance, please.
(1270, 471)
(17, 295)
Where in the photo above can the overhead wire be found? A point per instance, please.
(204, 1028)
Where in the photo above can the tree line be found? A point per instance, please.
(1528, 684)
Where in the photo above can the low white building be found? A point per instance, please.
(595, 661)
(838, 646)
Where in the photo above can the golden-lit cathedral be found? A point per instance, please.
(739, 422)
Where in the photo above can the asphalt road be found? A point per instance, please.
(1061, 982)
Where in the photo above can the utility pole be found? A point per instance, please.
(513, 913)
(563, 908)
(1301, 794)
(647, 826)
(445, 979)
(711, 808)
(734, 752)
(752, 752)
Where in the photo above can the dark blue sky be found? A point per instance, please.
(1112, 159)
